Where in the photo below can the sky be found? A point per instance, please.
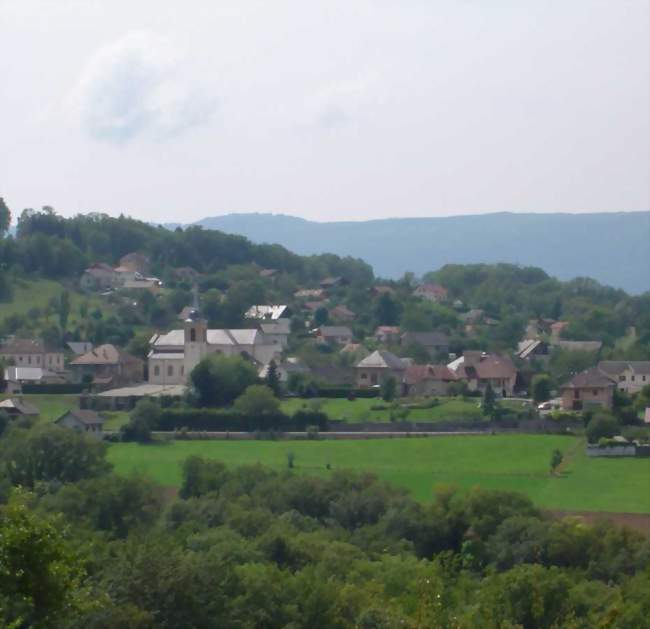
(328, 110)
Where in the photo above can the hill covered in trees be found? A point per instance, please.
(611, 247)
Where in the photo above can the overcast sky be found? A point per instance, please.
(340, 109)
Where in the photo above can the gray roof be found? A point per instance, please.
(279, 326)
(176, 338)
(617, 367)
(592, 377)
(80, 347)
(16, 404)
(84, 416)
(381, 359)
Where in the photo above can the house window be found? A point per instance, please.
(38, 360)
(596, 392)
(193, 335)
(170, 370)
(632, 378)
(156, 370)
(364, 376)
(621, 378)
(29, 359)
(576, 394)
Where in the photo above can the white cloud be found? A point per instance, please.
(342, 102)
(139, 86)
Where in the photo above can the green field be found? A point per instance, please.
(449, 409)
(512, 462)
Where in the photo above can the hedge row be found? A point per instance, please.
(345, 392)
(53, 388)
(219, 420)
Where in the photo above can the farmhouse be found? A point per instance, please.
(175, 354)
(431, 292)
(630, 375)
(436, 343)
(17, 407)
(98, 276)
(333, 282)
(108, 366)
(32, 353)
(377, 367)
(588, 389)
(428, 380)
(85, 421)
(340, 334)
(479, 369)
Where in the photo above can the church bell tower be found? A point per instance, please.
(195, 337)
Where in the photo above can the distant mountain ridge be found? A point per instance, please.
(611, 247)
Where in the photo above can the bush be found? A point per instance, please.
(602, 425)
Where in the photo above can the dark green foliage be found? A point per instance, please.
(144, 418)
(387, 310)
(272, 379)
(541, 388)
(50, 454)
(489, 405)
(388, 389)
(256, 400)
(218, 380)
(5, 217)
(556, 460)
(602, 425)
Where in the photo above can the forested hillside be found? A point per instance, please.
(611, 247)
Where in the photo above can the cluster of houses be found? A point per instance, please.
(132, 273)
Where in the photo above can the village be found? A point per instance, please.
(314, 347)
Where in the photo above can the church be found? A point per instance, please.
(173, 355)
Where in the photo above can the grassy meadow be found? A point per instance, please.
(510, 462)
(361, 409)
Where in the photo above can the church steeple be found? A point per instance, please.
(196, 335)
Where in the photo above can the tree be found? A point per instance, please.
(602, 425)
(321, 317)
(489, 401)
(387, 310)
(272, 379)
(541, 388)
(219, 380)
(41, 577)
(71, 456)
(556, 460)
(144, 418)
(5, 217)
(388, 389)
(258, 399)
(64, 309)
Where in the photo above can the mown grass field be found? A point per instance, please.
(510, 462)
(448, 409)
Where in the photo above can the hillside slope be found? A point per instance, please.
(612, 247)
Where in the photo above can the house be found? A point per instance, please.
(340, 334)
(431, 292)
(580, 346)
(310, 293)
(108, 366)
(377, 367)
(428, 380)
(173, 355)
(277, 332)
(268, 273)
(646, 415)
(124, 274)
(478, 369)
(436, 343)
(588, 389)
(387, 334)
(17, 407)
(98, 276)
(630, 375)
(268, 312)
(136, 262)
(533, 349)
(32, 353)
(16, 377)
(79, 347)
(333, 282)
(342, 313)
(85, 421)
(185, 313)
